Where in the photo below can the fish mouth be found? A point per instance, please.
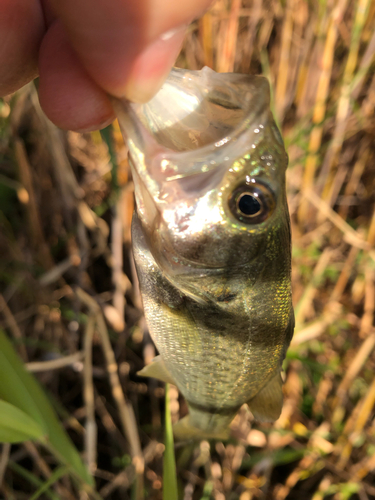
(198, 123)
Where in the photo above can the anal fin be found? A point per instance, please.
(266, 406)
(157, 369)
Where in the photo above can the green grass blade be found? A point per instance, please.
(19, 388)
(16, 426)
(207, 490)
(170, 491)
(107, 136)
(14, 386)
(55, 476)
(31, 478)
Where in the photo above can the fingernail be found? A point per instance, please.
(171, 33)
(153, 66)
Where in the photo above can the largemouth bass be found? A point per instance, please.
(211, 241)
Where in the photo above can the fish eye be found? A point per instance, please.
(252, 202)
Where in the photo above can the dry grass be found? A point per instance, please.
(66, 264)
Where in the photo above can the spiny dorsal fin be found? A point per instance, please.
(157, 369)
(266, 406)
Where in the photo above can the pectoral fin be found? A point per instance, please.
(157, 369)
(266, 406)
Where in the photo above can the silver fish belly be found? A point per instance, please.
(211, 240)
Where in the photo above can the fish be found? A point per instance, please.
(212, 244)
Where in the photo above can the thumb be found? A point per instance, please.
(128, 46)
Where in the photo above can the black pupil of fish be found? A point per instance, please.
(248, 205)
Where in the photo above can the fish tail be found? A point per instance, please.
(183, 430)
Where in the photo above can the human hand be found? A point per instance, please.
(84, 49)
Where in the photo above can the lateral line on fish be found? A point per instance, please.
(248, 345)
(240, 377)
(218, 410)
